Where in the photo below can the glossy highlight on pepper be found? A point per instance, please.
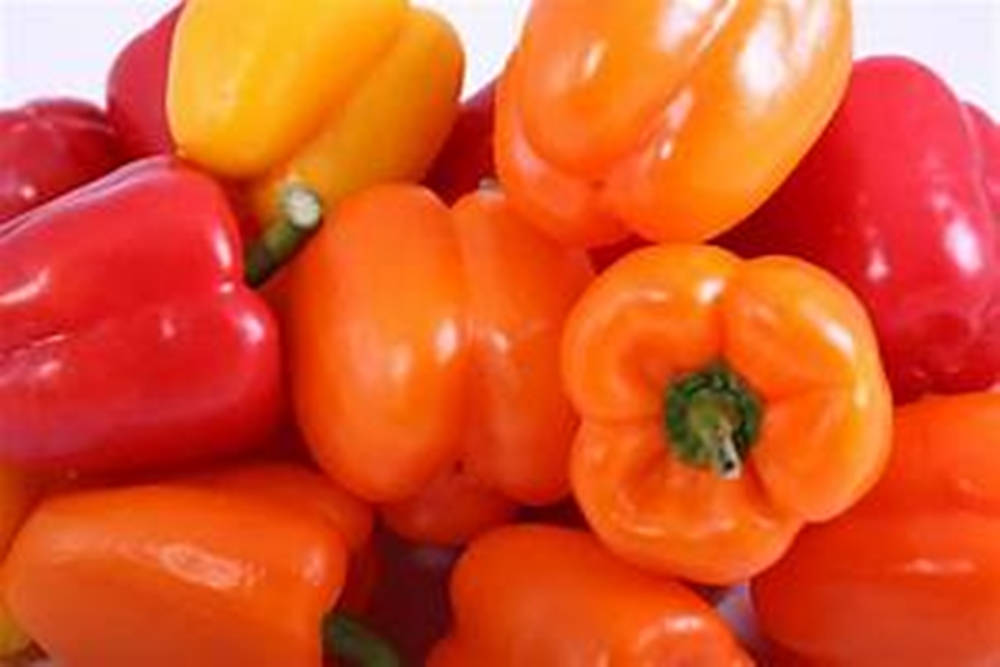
(172, 575)
(725, 404)
(421, 337)
(669, 119)
(127, 337)
(247, 561)
(900, 198)
(324, 109)
(294, 485)
(49, 147)
(911, 575)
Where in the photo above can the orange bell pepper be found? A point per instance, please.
(188, 573)
(297, 486)
(336, 95)
(725, 403)
(451, 510)
(422, 337)
(670, 119)
(540, 595)
(911, 576)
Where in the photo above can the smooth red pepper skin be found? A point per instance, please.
(49, 147)
(467, 156)
(901, 199)
(137, 90)
(127, 337)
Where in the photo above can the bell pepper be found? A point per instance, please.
(672, 120)
(137, 90)
(127, 338)
(49, 147)
(234, 571)
(368, 94)
(466, 159)
(451, 510)
(725, 404)
(911, 575)
(896, 200)
(297, 486)
(422, 338)
(540, 595)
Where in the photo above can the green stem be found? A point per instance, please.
(712, 419)
(300, 213)
(349, 639)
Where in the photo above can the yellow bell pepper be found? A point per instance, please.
(334, 94)
(18, 492)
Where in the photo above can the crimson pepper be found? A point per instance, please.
(127, 336)
(137, 90)
(901, 199)
(467, 156)
(49, 147)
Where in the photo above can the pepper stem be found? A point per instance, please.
(300, 213)
(349, 639)
(712, 418)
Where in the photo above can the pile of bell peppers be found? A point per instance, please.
(303, 361)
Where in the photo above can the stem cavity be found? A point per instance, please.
(712, 419)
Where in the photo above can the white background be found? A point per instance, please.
(61, 47)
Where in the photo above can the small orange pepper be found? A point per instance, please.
(725, 404)
(421, 337)
(911, 575)
(541, 595)
(673, 120)
(182, 574)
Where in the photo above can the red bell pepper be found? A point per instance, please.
(467, 156)
(127, 338)
(137, 90)
(901, 199)
(49, 147)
